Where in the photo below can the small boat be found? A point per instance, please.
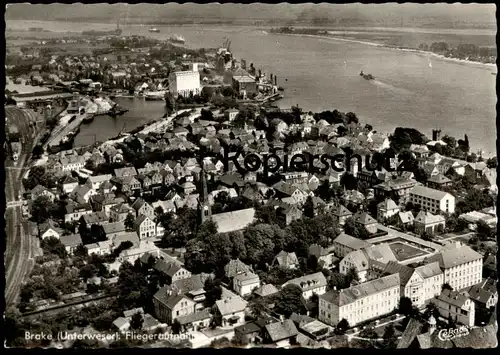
(430, 64)
(154, 29)
(367, 76)
(280, 88)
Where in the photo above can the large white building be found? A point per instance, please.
(362, 302)
(184, 82)
(433, 201)
(419, 284)
(462, 266)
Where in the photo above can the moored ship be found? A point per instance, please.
(154, 29)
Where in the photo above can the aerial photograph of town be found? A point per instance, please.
(193, 176)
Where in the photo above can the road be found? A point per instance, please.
(19, 243)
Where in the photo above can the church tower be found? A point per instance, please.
(204, 209)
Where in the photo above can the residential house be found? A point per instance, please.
(70, 242)
(345, 244)
(290, 213)
(114, 229)
(171, 270)
(130, 184)
(145, 227)
(95, 218)
(461, 265)
(82, 193)
(341, 214)
(72, 163)
(365, 220)
(405, 219)
(119, 212)
(104, 202)
(310, 284)
(74, 211)
(230, 311)
(124, 172)
(458, 306)
(244, 284)
(360, 303)
(325, 256)
(122, 324)
(49, 229)
(97, 181)
(484, 294)
(39, 191)
(249, 332)
(372, 178)
(171, 304)
(386, 209)
(431, 200)
(426, 222)
(286, 260)
(69, 184)
(438, 182)
(236, 267)
(282, 333)
(195, 321)
(266, 290)
(143, 208)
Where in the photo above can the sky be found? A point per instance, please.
(390, 13)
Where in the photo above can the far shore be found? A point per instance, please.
(380, 45)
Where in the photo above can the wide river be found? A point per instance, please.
(410, 90)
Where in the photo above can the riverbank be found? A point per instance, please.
(380, 45)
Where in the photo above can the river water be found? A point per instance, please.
(410, 89)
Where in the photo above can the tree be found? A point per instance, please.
(257, 308)
(446, 286)
(81, 251)
(309, 207)
(213, 291)
(492, 163)
(40, 209)
(176, 327)
(54, 246)
(129, 222)
(38, 150)
(136, 321)
(290, 301)
(88, 271)
(390, 338)
(406, 307)
(342, 326)
(207, 93)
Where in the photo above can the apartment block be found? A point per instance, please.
(433, 201)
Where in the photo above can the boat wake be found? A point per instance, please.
(390, 87)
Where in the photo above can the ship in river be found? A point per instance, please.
(177, 39)
(154, 29)
(367, 76)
